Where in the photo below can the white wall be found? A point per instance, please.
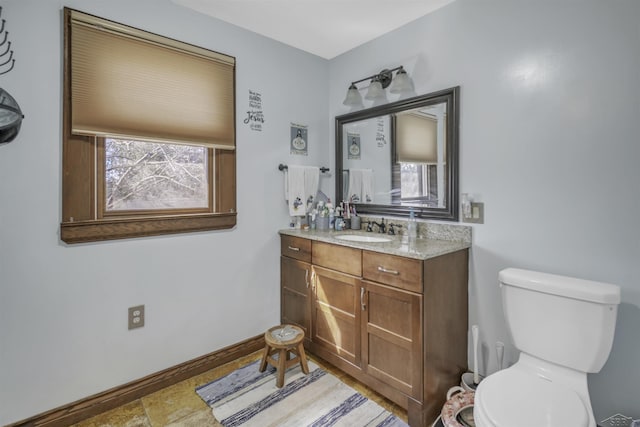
(63, 309)
(550, 118)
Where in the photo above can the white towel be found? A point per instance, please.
(311, 181)
(367, 186)
(355, 185)
(300, 188)
(295, 190)
(361, 185)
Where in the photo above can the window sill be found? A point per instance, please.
(112, 229)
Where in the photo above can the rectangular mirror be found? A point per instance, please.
(401, 156)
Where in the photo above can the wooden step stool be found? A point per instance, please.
(284, 347)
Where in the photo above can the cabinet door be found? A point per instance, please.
(295, 304)
(392, 336)
(336, 313)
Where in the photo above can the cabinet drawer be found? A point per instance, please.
(404, 273)
(339, 258)
(296, 247)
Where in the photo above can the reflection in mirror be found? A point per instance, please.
(401, 156)
(418, 144)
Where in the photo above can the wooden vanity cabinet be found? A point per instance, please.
(397, 324)
(392, 326)
(336, 314)
(295, 283)
(391, 337)
(337, 272)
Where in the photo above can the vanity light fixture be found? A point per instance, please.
(379, 82)
(353, 99)
(376, 92)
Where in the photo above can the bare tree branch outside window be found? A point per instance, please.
(145, 175)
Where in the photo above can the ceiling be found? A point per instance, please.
(326, 28)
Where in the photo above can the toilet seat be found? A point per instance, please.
(514, 398)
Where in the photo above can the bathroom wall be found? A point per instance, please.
(63, 309)
(550, 103)
(550, 108)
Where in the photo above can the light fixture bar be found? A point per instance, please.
(381, 73)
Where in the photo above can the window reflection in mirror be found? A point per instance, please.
(418, 144)
(400, 156)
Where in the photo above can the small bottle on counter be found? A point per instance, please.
(412, 226)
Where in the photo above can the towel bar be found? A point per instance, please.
(282, 167)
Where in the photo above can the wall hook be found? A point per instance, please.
(6, 51)
(8, 60)
(13, 62)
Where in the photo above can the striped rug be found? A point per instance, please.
(247, 397)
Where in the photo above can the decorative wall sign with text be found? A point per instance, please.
(298, 138)
(255, 116)
(353, 142)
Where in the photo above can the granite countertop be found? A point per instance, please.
(420, 248)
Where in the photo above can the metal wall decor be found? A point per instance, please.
(10, 113)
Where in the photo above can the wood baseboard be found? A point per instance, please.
(118, 396)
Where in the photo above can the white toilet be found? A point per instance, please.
(564, 329)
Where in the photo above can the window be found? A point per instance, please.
(418, 183)
(149, 134)
(146, 176)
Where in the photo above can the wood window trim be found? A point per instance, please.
(80, 221)
(112, 229)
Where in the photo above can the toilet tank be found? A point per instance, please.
(564, 320)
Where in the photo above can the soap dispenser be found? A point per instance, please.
(466, 206)
(412, 226)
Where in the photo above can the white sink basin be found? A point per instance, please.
(363, 239)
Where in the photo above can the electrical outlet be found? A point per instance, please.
(136, 317)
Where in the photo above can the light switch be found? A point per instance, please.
(477, 213)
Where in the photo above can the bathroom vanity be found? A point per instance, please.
(391, 314)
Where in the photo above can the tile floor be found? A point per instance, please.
(180, 406)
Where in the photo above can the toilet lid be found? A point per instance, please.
(523, 400)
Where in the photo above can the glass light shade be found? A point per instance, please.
(375, 92)
(353, 98)
(401, 83)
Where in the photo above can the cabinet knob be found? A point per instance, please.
(363, 306)
(291, 248)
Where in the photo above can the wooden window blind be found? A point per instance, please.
(131, 84)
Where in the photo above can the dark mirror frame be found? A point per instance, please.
(451, 98)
